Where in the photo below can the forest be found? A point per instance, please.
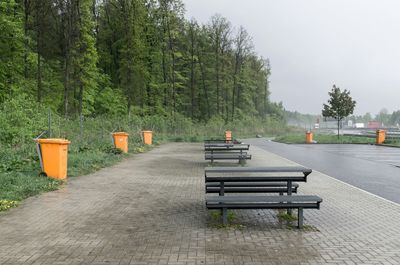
(81, 69)
(130, 57)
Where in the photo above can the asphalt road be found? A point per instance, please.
(375, 169)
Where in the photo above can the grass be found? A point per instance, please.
(393, 142)
(20, 168)
(284, 216)
(216, 216)
(300, 138)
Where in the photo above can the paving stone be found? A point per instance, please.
(150, 209)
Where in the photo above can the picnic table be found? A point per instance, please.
(249, 177)
(226, 151)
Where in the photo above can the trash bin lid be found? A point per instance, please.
(147, 131)
(53, 141)
(120, 133)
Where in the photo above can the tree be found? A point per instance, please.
(143, 57)
(395, 118)
(243, 47)
(12, 52)
(340, 105)
(383, 117)
(219, 29)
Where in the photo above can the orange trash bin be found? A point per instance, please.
(228, 136)
(121, 141)
(148, 137)
(309, 136)
(380, 136)
(54, 155)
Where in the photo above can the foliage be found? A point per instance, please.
(21, 120)
(285, 216)
(6, 204)
(340, 105)
(128, 57)
(81, 69)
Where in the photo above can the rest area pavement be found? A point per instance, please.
(150, 209)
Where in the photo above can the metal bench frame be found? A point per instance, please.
(288, 201)
(241, 156)
(298, 202)
(250, 187)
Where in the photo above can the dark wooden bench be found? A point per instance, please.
(254, 179)
(227, 146)
(211, 141)
(226, 151)
(298, 202)
(241, 156)
(216, 148)
(250, 187)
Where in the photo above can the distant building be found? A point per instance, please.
(374, 125)
(350, 123)
(359, 125)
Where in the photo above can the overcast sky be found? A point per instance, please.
(313, 44)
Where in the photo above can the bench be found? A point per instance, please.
(226, 147)
(210, 141)
(250, 187)
(241, 156)
(226, 151)
(298, 202)
(255, 180)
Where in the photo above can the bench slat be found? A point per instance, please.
(257, 169)
(276, 205)
(256, 178)
(220, 149)
(250, 189)
(235, 155)
(263, 199)
(225, 153)
(251, 184)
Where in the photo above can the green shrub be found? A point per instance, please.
(21, 120)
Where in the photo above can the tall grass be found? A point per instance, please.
(91, 145)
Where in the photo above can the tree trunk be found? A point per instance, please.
(171, 50)
(39, 78)
(204, 85)
(234, 86)
(233, 96)
(217, 72)
(39, 49)
(80, 108)
(338, 125)
(192, 73)
(26, 17)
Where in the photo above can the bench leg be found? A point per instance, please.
(224, 216)
(289, 193)
(300, 217)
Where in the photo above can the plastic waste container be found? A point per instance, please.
(380, 136)
(309, 137)
(148, 137)
(228, 136)
(121, 141)
(54, 157)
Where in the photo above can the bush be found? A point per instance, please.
(21, 120)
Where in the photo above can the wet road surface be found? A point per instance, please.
(375, 169)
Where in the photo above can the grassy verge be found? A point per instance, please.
(324, 139)
(19, 172)
(91, 146)
(392, 142)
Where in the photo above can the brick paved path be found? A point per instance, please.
(150, 210)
